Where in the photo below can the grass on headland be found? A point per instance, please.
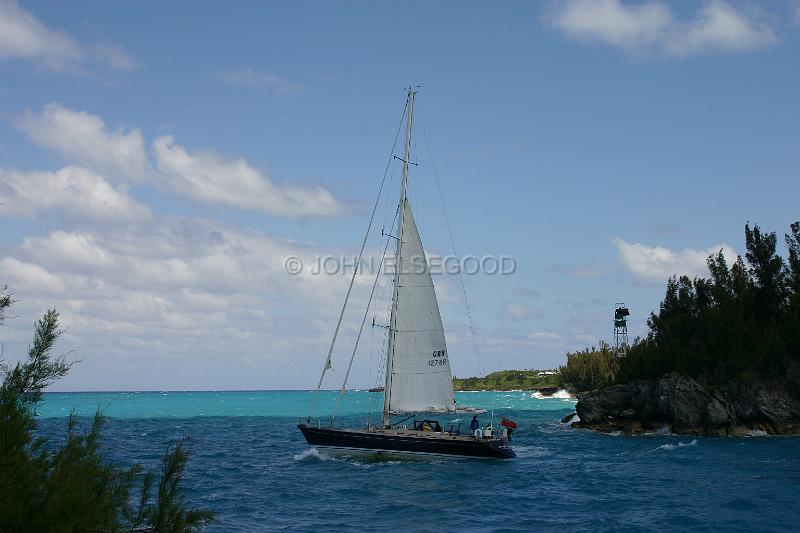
(509, 380)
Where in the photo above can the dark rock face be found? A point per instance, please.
(688, 406)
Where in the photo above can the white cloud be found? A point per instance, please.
(83, 138)
(23, 36)
(541, 349)
(544, 335)
(74, 191)
(258, 79)
(178, 294)
(113, 55)
(66, 249)
(650, 26)
(720, 27)
(27, 276)
(654, 264)
(205, 176)
(610, 21)
(519, 311)
(200, 175)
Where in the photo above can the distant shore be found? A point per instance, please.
(543, 391)
(511, 380)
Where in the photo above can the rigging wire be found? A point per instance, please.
(328, 365)
(470, 321)
(391, 192)
(361, 329)
(371, 362)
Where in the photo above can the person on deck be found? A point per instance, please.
(474, 424)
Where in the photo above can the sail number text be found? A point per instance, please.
(439, 358)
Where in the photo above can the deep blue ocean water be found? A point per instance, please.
(251, 465)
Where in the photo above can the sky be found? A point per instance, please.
(161, 161)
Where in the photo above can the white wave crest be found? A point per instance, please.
(679, 445)
(311, 453)
(562, 394)
(757, 433)
(531, 451)
(662, 431)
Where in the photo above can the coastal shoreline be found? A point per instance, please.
(545, 392)
(689, 407)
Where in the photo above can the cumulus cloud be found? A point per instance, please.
(654, 264)
(545, 335)
(84, 138)
(177, 293)
(113, 55)
(207, 177)
(542, 349)
(74, 191)
(519, 311)
(23, 36)
(31, 277)
(651, 26)
(258, 79)
(203, 176)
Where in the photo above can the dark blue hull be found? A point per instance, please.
(381, 443)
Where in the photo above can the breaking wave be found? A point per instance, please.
(679, 445)
(662, 431)
(574, 418)
(311, 454)
(562, 394)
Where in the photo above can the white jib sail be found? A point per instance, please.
(418, 363)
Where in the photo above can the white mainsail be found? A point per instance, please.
(418, 377)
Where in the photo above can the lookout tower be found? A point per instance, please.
(621, 314)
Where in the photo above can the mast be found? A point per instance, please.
(387, 390)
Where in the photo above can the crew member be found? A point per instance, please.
(474, 424)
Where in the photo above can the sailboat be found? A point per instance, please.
(419, 383)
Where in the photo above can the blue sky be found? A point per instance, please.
(159, 161)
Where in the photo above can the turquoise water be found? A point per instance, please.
(260, 403)
(250, 465)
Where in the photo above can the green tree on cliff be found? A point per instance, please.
(589, 369)
(742, 320)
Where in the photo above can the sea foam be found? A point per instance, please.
(675, 446)
(562, 394)
(574, 418)
(311, 453)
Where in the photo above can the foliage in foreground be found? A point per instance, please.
(74, 487)
(507, 380)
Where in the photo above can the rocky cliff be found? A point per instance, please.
(689, 406)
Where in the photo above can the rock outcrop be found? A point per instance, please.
(688, 406)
